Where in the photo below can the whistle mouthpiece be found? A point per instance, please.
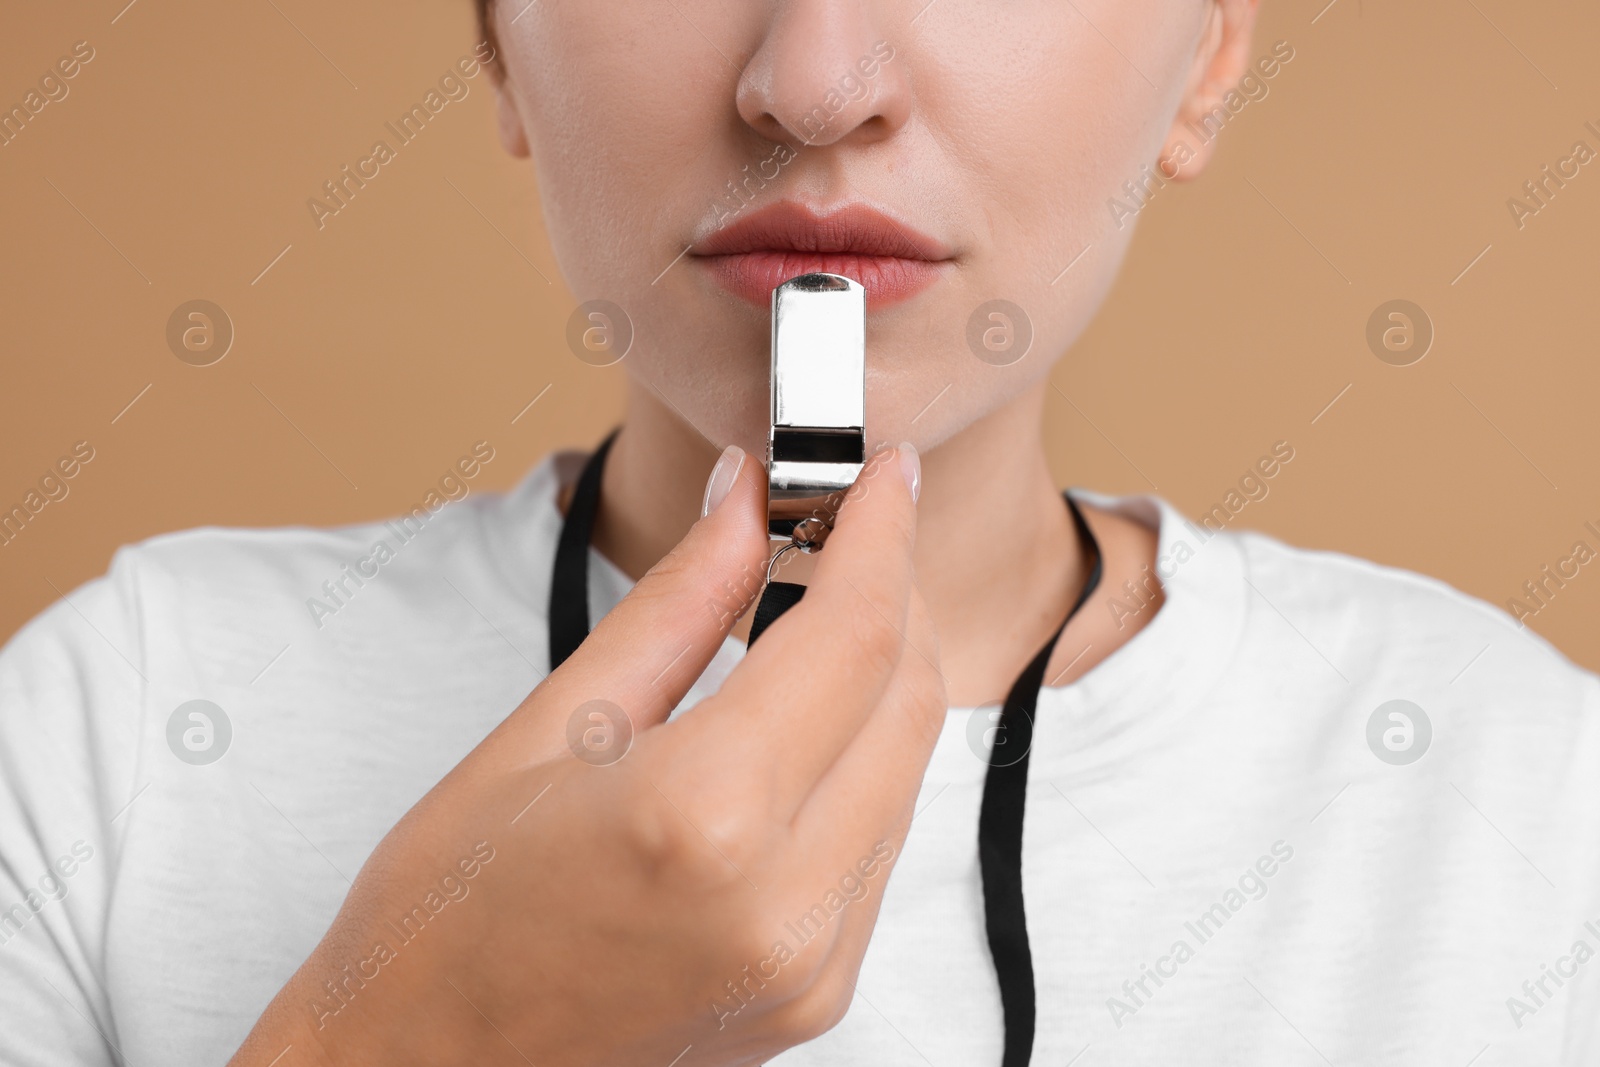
(817, 443)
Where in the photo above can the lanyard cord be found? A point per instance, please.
(1005, 795)
(569, 583)
(1005, 786)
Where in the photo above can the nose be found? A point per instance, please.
(824, 75)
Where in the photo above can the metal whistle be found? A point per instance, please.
(817, 443)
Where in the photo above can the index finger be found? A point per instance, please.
(647, 651)
(794, 704)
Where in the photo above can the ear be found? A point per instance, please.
(513, 135)
(1220, 60)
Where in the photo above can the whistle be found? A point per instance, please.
(817, 443)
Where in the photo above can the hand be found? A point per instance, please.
(712, 890)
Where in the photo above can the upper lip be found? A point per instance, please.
(854, 229)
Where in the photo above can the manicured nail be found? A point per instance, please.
(723, 475)
(911, 468)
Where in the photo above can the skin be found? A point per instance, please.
(607, 924)
(1000, 129)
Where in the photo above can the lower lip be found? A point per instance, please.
(887, 279)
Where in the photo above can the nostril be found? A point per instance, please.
(769, 126)
(822, 76)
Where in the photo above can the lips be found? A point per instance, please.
(760, 252)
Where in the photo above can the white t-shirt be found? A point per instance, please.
(1219, 867)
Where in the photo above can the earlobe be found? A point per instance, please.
(513, 135)
(1185, 154)
(1221, 58)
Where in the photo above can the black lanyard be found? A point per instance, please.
(1005, 787)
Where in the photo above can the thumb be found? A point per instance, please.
(650, 649)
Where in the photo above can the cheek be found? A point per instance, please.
(1044, 132)
(1050, 142)
(616, 99)
(630, 143)
(1038, 131)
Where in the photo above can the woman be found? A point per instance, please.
(1276, 806)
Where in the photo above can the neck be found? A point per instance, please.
(997, 556)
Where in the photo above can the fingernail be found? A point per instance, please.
(911, 468)
(723, 475)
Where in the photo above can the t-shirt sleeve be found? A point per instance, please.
(72, 694)
(1581, 1044)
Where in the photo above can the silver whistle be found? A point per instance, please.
(817, 443)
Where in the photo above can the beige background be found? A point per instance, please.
(374, 352)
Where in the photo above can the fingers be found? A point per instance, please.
(869, 790)
(806, 688)
(857, 818)
(646, 653)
